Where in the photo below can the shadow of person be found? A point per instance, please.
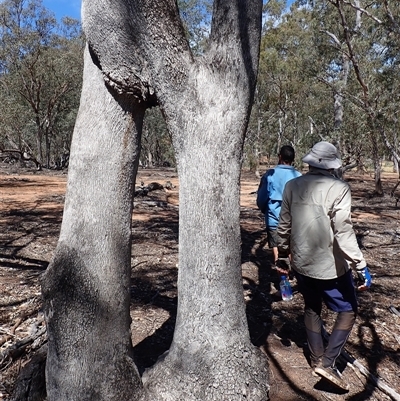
(260, 285)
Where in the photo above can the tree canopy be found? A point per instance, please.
(329, 70)
(40, 79)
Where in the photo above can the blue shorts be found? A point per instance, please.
(338, 294)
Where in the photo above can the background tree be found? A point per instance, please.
(291, 104)
(40, 71)
(196, 19)
(352, 41)
(156, 144)
(140, 49)
(327, 71)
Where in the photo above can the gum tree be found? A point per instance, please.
(40, 74)
(137, 57)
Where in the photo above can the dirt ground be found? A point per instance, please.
(31, 206)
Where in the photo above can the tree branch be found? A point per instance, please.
(363, 10)
(333, 37)
(237, 23)
(390, 14)
(352, 55)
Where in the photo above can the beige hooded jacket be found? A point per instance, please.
(315, 224)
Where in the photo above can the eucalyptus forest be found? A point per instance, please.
(328, 71)
(166, 291)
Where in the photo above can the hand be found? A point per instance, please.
(365, 278)
(282, 266)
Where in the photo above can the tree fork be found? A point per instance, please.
(140, 49)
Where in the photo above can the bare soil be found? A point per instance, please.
(31, 205)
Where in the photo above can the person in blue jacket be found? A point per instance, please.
(270, 190)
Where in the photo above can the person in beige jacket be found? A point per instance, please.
(315, 228)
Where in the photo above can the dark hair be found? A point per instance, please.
(287, 154)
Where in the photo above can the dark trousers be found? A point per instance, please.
(339, 296)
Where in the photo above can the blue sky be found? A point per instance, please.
(72, 8)
(64, 8)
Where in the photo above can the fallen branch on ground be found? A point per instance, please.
(26, 314)
(374, 380)
(379, 383)
(12, 302)
(19, 347)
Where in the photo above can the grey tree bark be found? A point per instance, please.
(141, 51)
(86, 288)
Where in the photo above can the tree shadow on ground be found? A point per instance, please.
(147, 352)
(371, 346)
(153, 284)
(260, 312)
(150, 285)
(260, 316)
(263, 287)
(23, 228)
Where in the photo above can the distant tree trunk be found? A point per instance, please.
(257, 142)
(149, 159)
(341, 87)
(377, 167)
(396, 154)
(257, 151)
(338, 96)
(141, 50)
(378, 179)
(395, 165)
(39, 144)
(48, 146)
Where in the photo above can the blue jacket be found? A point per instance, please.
(270, 190)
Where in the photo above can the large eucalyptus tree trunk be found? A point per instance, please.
(140, 48)
(86, 288)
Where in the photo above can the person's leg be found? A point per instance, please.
(313, 323)
(272, 242)
(312, 316)
(281, 265)
(275, 253)
(341, 299)
(339, 296)
(340, 333)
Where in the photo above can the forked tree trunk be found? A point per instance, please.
(141, 49)
(211, 356)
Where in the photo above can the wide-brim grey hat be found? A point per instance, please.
(323, 155)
